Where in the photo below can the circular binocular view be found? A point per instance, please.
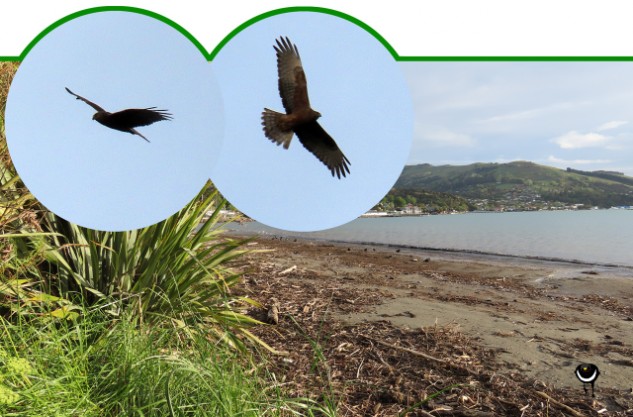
(318, 123)
(114, 120)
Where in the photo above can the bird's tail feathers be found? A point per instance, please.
(136, 132)
(272, 130)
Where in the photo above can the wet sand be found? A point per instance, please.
(536, 319)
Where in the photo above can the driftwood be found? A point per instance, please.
(404, 349)
(287, 270)
(561, 405)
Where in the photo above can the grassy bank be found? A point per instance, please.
(94, 366)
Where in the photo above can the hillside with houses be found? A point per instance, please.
(514, 186)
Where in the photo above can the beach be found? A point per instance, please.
(391, 326)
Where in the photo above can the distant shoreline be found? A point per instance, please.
(463, 254)
(379, 214)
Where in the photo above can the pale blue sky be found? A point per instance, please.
(562, 114)
(99, 177)
(366, 106)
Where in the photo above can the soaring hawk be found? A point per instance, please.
(126, 120)
(300, 118)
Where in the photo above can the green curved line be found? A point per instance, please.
(210, 56)
(100, 9)
(514, 58)
(315, 9)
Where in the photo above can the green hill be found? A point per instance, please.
(428, 201)
(521, 184)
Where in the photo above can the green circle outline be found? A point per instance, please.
(209, 56)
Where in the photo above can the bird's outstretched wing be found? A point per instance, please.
(292, 80)
(132, 118)
(320, 143)
(90, 103)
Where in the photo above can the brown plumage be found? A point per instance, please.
(126, 120)
(300, 118)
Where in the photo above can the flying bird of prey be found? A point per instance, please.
(300, 118)
(126, 120)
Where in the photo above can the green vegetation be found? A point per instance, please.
(608, 175)
(138, 323)
(93, 366)
(164, 270)
(520, 185)
(427, 201)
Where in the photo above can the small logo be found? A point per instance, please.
(587, 373)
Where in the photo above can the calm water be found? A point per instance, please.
(596, 236)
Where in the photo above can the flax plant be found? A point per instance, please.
(175, 269)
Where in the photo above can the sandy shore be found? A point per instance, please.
(536, 319)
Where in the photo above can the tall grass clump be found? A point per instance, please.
(93, 366)
(49, 376)
(174, 270)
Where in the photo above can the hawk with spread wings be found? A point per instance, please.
(300, 118)
(126, 120)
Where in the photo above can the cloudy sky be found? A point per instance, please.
(562, 114)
